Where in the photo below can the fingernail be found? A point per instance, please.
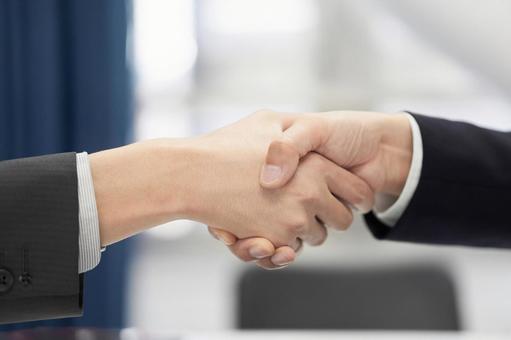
(271, 173)
(279, 267)
(224, 239)
(357, 208)
(258, 253)
(280, 259)
(361, 209)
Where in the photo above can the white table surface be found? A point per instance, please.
(136, 334)
(313, 335)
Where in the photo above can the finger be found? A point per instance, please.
(334, 213)
(304, 135)
(281, 261)
(315, 233)
(253, 248)
(268, 265)
(283, 257)
(350, 188)
(222, 235)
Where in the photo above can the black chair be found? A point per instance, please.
(384, 299)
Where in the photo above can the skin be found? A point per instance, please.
(376, 147)
(212, 179)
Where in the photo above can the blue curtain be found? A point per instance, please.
(65, 86)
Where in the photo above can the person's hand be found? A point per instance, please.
(375, 146)
(316, 186)
(226, 193)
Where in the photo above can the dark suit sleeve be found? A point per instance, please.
(39, 239)
(463, 195)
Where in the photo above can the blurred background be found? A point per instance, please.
(132, 70)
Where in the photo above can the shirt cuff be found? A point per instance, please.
(388, 209)
(88, 241)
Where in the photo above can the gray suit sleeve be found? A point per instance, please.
(39, 239)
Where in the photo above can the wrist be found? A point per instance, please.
(137, 187)
(171, 177)
(187, 181)
(397, 150)
(200, 180)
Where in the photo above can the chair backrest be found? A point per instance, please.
(419, 298)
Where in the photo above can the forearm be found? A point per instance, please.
(140, 186)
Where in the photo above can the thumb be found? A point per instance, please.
(283, 156)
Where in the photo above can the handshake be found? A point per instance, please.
(264, 185)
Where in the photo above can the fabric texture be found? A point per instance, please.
(38, 239)
(89, 241)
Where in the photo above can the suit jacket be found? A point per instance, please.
(39, 239)
(463, 195)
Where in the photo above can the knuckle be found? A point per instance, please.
(308, 196)
(297, 224)
(317, 241)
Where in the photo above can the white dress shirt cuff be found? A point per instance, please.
(388, 209)
(88, 241)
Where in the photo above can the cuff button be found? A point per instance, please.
(6, 280)
(25, 279)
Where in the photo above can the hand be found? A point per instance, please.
(318, 183)
(229, 196)
(377, 147)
